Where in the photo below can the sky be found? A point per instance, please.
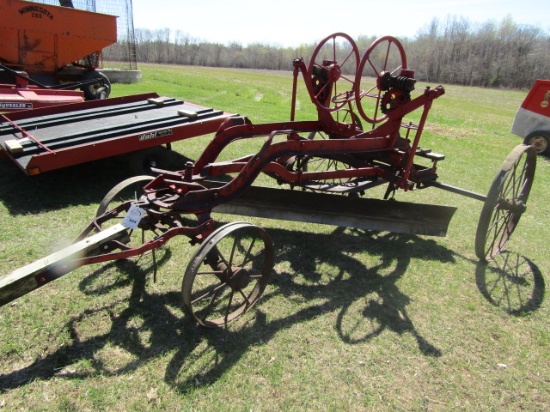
(289, 23)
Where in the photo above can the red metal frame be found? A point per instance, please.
(171, 195)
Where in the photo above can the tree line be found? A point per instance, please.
(455, 51)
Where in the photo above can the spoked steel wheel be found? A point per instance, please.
(332, 71)
(385, 55)
(131, 188)
(125, 191)
(335, 179)
(506, 202)
(227, 274)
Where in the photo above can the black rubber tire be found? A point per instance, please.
(540, 140)
(142, 161)
(99, 90)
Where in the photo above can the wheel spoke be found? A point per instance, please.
(248, 253)
(226, 262)
(348, 58)
(228, 307)
(245, 297)
(213, 293)
(387, 54)
(233, 248)
(210, 272)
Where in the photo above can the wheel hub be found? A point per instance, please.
(238, 278)
(334, 72)
(512, 205)
(539, 143)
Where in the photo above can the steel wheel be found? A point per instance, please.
(125, 191)
(342, 185)
(334, 62)
(131, 188)
(227, 274)
(385, 55)
(506, 202)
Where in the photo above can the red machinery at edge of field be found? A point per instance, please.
(47, 52)
(321, 169)
(140, 126)
(532, 121)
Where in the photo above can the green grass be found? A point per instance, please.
(352, 320)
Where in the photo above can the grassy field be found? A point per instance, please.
(352, 320)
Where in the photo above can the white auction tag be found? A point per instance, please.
(132, 218)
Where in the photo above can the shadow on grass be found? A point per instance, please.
(83, 184)
(319, 268)
(322, 270)
(512, 282)
(77, 185)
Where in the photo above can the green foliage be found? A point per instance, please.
(352, 321)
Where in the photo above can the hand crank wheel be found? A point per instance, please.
(334, 62)
(227, 274)
(506, 202)
(385, 55)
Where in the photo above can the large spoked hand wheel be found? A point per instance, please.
(506, 202)
(227, 274)
(385, 55)
(331, 72)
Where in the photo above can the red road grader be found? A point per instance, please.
(321, 168)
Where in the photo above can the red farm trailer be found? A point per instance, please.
(144, 126)
(532, 121)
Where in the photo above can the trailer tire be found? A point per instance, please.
(142, 162)
(540, 141)
(97, 91)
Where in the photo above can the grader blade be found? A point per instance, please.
(370, 214)
(24, 280)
